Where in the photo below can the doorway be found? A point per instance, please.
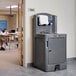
(11, 33)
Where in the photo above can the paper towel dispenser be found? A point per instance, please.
(47, 20)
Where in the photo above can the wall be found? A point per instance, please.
(75, 27)
(4, 17)
(65, 11)
(12, 21)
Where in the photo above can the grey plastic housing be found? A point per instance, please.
(49, 47)
(45, 29)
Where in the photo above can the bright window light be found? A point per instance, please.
(12, 6)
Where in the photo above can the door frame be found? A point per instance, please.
(23, 57)
(20, 35)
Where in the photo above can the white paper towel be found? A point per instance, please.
(43, 19)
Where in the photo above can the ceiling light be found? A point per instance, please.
(13, 6)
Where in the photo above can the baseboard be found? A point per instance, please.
(68, 59)
(71, 59)
(29, 64)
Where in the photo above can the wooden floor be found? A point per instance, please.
(9, 58)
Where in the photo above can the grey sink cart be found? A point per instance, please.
(49, 46)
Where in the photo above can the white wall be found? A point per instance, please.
(65, 11)
(75, 26)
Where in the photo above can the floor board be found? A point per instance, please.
(9, 58)
(21, 71)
